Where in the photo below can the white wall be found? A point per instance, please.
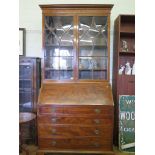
(30, 18)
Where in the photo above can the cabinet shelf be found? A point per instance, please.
(127, 34)
(124, 75)
(99, 46)
(127, 53)
(25, 79)
(22, 90)
(51, 69)
(71, 46)
(58, 56)
(50, 45)
(92, 56)
(92, 69)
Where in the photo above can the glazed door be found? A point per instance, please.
(26, 87)
(59, 47)
(76, 47)
(93, 43)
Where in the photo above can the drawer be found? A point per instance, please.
(76, 109)
(49, 131)
(91, 143)
(87, 120)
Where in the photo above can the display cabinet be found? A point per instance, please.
(29, 85)
(76, 44)
(75, 100)
(123, 62)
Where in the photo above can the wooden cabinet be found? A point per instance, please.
(76, 42)
(29, 84)
(124, 59)
(75, 117)
(75, 106)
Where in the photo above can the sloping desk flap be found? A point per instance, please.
(98, 93)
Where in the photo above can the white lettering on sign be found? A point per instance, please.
(127, 129)
(130, 101)
(127, 116)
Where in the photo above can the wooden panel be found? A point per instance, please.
(127, 23)
(126, 85)
(86, 93)
(79, 6)
(76, 144)
(87, 120)
(49, 131)
(76, 110)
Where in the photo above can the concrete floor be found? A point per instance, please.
(32, 149)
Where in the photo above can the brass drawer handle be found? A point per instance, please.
(96, 131)
(97, 121)
(97, 111)
(53, 131)
(54, 143)
(54, 120)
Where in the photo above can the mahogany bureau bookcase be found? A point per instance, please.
(75, 106)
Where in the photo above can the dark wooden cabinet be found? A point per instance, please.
(29, 85)
(75, 107)
(124, 52)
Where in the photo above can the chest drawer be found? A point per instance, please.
(76, 109)
(86, 119)
(49, 131)
(91, 143)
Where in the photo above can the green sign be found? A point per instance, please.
(127, 123)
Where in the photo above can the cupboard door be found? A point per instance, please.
(93, 51)
(26, 87)
(59, 47)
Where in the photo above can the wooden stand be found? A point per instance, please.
(25, 117)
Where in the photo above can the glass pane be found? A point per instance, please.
(59, 47)
(52, 62)
(93, 30)
(25, 84)
(25, 72)
(66, 63)
(99, 74)
(52, 74)
(85, 74)
(25, 101)
(52, 51)
(59, 30)
(66, 51)
(66, 74)
(95, 63)
(93, 53)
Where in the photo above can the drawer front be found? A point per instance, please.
(87, 120)
(49, 131)
(76, 110)
(91, 143)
